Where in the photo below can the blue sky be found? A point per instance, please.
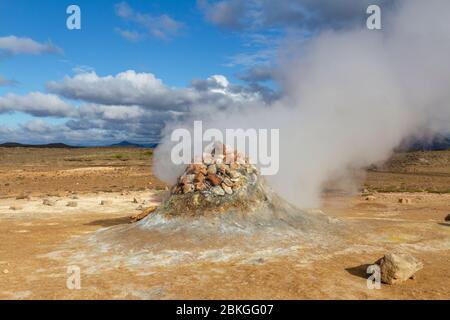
(98, 85)
(197, 51)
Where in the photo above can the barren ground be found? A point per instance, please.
(33, 236)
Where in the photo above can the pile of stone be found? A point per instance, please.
(219, 173)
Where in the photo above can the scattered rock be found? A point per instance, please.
(371, 198)
(142, 215)
(135, 200)
(15, 208)
(105, 202)
(405, 201)
(397, 267)
(5, 271)
(447, 218)
(23, 197)
(48, 202)
(72, 204)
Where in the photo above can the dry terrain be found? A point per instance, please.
(39, 242)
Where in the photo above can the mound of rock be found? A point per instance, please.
(225, 192)
(220, 175)
(219, 181)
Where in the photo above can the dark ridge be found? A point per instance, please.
(123, 144)
(48, 145)
(128, 144)
(436, 143)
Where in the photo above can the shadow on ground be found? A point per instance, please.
(359, 271)
(109, 222)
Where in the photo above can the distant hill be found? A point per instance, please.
(49, 145)
(127, 144)
(123, 144)
(438, 142)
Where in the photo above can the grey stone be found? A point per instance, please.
(217, 190)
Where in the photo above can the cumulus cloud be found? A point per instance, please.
(12, 45)
(144, 89)
(131, 105)
(37, 104)
(162, 26)
(125, 88)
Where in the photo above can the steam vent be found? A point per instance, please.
(220, 209)
(225, 192)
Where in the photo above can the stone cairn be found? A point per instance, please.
(222, 172)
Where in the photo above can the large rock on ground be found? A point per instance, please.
(397, 267)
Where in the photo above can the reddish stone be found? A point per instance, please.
(200, 186)
(215, 179)
(199, 177)
(197, 168)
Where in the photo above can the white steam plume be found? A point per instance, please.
(349, 98)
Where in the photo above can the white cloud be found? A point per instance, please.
(126, 88)
(128, 105)
(37, 104)
(130, 35)
(144, 89)
(14, 45)
(162, 26)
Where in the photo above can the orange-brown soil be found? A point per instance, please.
(36, 241)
